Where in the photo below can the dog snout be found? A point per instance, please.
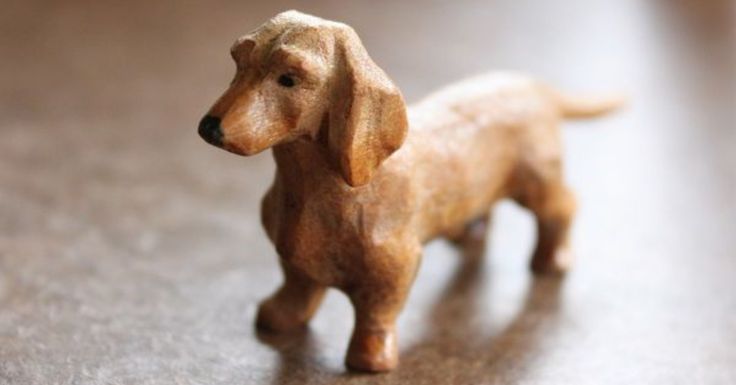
(210, 131)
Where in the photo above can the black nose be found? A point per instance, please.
(209, 130)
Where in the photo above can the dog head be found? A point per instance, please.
(301, 77)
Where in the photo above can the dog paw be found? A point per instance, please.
(373, 352)
(275, 318)
(557, 263)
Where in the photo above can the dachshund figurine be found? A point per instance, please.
(362, 182)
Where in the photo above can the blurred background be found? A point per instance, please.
(132, 252)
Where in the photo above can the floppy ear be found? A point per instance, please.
(367, 115)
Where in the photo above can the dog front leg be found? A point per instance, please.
(377, 303)
(292, 305)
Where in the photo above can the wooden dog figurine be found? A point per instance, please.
(362, 182)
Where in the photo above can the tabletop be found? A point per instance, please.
(131, 252)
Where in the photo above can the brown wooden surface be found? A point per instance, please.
(131, 252)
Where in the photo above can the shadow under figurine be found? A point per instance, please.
(362, 182)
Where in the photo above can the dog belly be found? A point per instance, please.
(457, 210)
(460, 181)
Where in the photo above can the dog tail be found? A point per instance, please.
(575, 107)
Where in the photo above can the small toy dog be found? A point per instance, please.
(362, 183)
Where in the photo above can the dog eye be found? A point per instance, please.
(287, 81)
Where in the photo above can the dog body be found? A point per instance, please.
(362, 182)
(447, 173)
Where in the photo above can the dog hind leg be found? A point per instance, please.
(554, 211)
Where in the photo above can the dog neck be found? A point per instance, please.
(304, 162)
(307, 160)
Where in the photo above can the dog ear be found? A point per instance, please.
(367, 118)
